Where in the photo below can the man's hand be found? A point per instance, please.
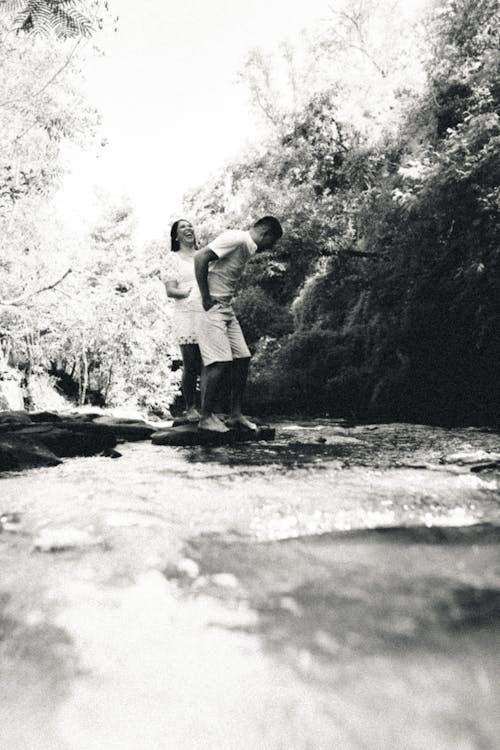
(207, 303)
(202, 259)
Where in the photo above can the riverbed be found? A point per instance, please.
(336, 588)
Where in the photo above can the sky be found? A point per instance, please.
(173, 110)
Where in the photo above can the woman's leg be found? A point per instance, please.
(191, 361)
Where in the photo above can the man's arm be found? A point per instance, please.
(202, 259)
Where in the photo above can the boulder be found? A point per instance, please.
(470, 457)
(77, 416)
(67, 438)
(20, 453)
(14, 417)
(64, 538)
(191, 435)
(129, 430)
(44, 416)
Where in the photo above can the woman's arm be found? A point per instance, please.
(173, 291)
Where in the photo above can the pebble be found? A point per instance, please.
(61, 539)
(188, 567)
(226, 580)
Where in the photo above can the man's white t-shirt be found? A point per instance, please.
(233, 248)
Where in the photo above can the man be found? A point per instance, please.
(218, 268)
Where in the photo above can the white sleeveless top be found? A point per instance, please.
(180, 269)
(177, 268)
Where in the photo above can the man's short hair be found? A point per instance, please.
(271, 224)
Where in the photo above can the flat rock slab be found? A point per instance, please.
(14, 417)
(66, 439)
(18, 453)
(130, 430)
(44, 416)
(190, 435)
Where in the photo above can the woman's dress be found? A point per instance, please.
(180, 269)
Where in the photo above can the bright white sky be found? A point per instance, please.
(173, 110)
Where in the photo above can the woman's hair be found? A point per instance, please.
(174, 242)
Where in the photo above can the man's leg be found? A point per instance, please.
(216, 354)
(211, 382)
(239, 374)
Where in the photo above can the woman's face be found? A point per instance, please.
(185, 233)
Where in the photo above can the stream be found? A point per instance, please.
(336, 588)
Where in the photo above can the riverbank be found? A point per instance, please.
(338, 586)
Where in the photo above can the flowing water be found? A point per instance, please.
(338, 588)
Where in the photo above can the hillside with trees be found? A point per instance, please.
(383, 298)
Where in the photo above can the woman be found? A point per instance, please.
(178, 277)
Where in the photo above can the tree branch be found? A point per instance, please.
(51, 80)
(25, 297)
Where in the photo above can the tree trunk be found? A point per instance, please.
(84, 379)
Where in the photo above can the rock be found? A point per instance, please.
(127, 429)
(486, 466)
(20, 453)
(180, 421)
(470, 457)
(10, 522)
(77, 416)
(190, 435)
(225, 580)
(184, 568)
(67, 438)
(44, 416)
(65, 538)
(14, 417)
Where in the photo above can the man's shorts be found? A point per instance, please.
(220, 337)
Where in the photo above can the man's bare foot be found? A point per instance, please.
(213, 424)
(192, 414)
(242, 422)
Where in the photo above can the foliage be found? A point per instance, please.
(84, 306)
(390, 257)
(369, 52)
(62, 18)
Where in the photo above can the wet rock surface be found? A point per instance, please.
(18, 453)
(293, 593)
(190, 435)
(65, 438)
(31, 439)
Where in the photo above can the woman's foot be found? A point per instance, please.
(212, 424)
(239, 421)
(192, 414)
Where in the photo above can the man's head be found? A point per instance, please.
(265, 232)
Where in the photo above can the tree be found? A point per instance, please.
(390, 256)
(368, 53)
(62, 18)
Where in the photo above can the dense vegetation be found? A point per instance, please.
(383, 299)
(81, 307)
(382, 158)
